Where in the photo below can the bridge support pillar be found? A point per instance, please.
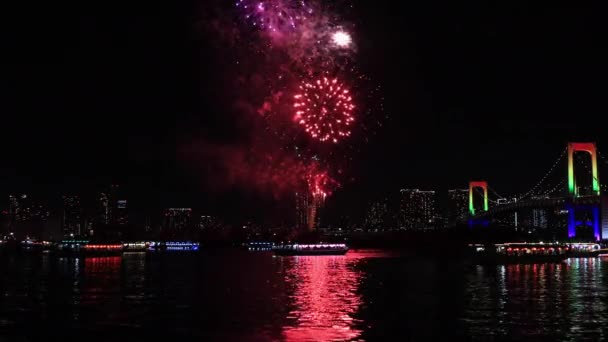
(588, 210)
(588, 148)
(472, 186)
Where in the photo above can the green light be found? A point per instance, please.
(472, 186)
(583, 147)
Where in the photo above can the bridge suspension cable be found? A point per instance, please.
(554, 189)
(496, 193)
(535, 187)
(481, 194)
(586, 167)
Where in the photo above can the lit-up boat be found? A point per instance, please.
(29, 245)
(520, 253)
(138, 246)
(257, 246)
(173, 246)
(69, 247)
(311, 249)
(102, 249)
(584, 250)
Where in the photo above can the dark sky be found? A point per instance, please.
(100, 92)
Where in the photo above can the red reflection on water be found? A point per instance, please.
(324, 298)
(101, 273)
(102, 264)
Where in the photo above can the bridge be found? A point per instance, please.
(574, 205)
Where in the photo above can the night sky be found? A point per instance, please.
(101, 92)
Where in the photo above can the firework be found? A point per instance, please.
(275, 16)
(289, 52)
(341, 39)
(324, 108)
(320, 185)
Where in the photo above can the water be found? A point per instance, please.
(243, 296)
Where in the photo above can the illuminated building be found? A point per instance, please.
(105, 210)
(308, 209)
(13, 210)
(377, 216)
(539, 218)
(417, 209)
(27, 218)
(177, 219)
(121, 216)
(207, 222)
(302, 203)
(71, 222)
(111, 209)
(458, 205)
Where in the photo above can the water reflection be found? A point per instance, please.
(323, 298)
(528, 302)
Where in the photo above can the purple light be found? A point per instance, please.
(571, 221)
(596, 222)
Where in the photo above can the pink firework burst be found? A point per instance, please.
(324, 108)
(320, 185)
(278, 16)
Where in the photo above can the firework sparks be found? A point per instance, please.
(319, 185)
(276, 16)
(341, 39)
(314, 116)
(324, 108)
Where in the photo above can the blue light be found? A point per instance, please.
(596, 222)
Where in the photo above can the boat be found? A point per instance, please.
(68, 247)
(29, 245)
(102, 249)
(173, 246)
(584, 250)
(139, 246)
(310, 249)
(520, 253)
(259, 246)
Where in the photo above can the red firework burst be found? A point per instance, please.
(320, 184)
(324, 108)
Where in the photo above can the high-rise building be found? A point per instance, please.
(27, 218)
(177, 219)
(72, 216)
(539, 218)
(302, 204)
(112, 211)
(417, 209)
(377, 216)
(105, 209)
(13, 211)
(121, 216)
(208, 222)
(458, 206)
(308, 209)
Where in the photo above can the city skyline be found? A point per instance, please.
(95, 108)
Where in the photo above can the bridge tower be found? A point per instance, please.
(583, 147)
(575, 203)
(472, 186)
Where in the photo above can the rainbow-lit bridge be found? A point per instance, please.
(574, 205)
